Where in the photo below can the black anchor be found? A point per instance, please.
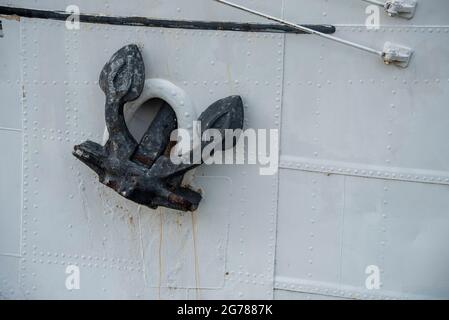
(143, 172)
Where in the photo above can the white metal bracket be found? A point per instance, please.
(397, 8)
(401, 8)
(397, 54)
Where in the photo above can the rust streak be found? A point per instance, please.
(160, 252)
(195, 252)
(10, 17)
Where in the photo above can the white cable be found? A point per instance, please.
(376, 2)
(304, 29)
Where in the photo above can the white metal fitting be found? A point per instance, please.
(397, 54)
(401, 8)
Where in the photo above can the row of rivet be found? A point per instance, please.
(85, 261)
(248, 278)
(381, 82)
(365, 173)
(334, 292)
(275, 179)
(383, 224)
(415, 29)
(216, 83)
(315, 203)
(24, 282)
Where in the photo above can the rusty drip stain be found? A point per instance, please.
(195, 253)
(10, 17)
(131, 221)
(142, 249)
(160, 252)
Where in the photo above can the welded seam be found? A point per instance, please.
(279, 149)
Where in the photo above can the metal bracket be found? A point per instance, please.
(397, 54)
(401, 8)
(397, 8)
(142, 171)
(1, 29)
